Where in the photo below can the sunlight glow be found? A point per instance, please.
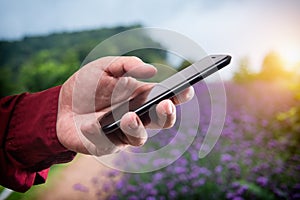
(291, 56)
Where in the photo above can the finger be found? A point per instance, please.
(166, 113)
(164, 117)
(130, 66)
(184, 96)
(133, 129)
(95, 141)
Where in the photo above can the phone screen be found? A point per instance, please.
(145, 103)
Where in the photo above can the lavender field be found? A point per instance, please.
(256, 157)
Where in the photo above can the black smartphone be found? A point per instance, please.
(144, 104)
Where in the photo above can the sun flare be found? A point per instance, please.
(291, 56)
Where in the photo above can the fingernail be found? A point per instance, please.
(148, 65)
(134, 123)
(169, 109)
(190, 94)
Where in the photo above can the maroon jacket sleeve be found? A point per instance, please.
(28, 140)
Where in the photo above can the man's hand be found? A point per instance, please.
(98, 87)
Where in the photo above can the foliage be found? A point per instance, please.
(290, 122)
(15, 53)
(183, 65)
(287, 122)
(272, 69)
(243, 75)
(37, 63)
(42, 71)
(7, 81)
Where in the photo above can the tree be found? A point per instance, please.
(7, 85)
(39, 62)
(184, 64)
(244, 74)
(42, 71)
(273, 68)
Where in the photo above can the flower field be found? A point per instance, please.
(256, 156)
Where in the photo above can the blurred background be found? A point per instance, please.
(257, 157)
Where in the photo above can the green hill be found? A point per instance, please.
(39, 62)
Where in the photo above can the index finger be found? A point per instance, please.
(184, 96)
(130, 66)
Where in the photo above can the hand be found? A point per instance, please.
(98, 87)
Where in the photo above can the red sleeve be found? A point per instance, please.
(28, 140)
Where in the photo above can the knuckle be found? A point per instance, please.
(141, 143)
(86, 128)
(138, 141)
(135, 58)
(89, 128)
(170, 122)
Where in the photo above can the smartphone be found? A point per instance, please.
(144, 104)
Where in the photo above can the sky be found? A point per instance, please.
(241, 28)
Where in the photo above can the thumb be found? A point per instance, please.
(133, 129)
(95, 141)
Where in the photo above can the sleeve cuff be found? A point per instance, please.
(32, 140)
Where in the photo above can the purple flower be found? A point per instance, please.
(242, 147)
(170, 185)
(296, 196)
(179, 170)
(147, 186)
(158, 177)
(151, 198)
(242, 190)
(113, 173)
(159, 162)
(219, 180)
(194, 156)
(183, 161)
(226, 158)
(235, 184)
(297, 186)
(183, 178)
(263, 181)
(205, 171)
(193, 175)
(272, 144)
(235, 168)
(264, 123)
(106, 187)
(279, 192)
(198, 182)
(161, 198)
(296, 158)
(248, 152)
(218, 169)
(237, 198)
(132, 188)
(133, 197)
(247, 161)
(175, 152)
(120, 184)
(80, 187)
(230, 195)
(172, 194)
(184, 189)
